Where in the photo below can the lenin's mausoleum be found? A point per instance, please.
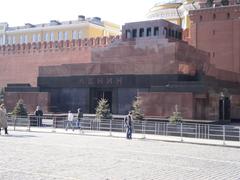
(186, 53)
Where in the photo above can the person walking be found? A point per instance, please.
(128, 123)
(69, 120)
(79, 117)
(3, 119)
(39, 114)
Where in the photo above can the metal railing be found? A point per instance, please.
(182, 130)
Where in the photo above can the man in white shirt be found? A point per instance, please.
(69, 120)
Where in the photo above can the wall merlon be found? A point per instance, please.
(49, 46)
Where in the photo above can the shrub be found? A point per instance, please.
(19, 109)
(137, 110)
(176, 116)
(103, 110)
(224, 2)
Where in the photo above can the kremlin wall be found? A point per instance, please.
(27, 58)
(163, 63)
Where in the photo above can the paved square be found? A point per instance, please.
(31, 155)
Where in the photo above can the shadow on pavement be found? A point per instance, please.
(17, 136)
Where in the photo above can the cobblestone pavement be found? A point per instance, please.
(31, 155)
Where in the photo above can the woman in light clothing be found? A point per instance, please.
(3, 119)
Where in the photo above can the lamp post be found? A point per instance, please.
(222, 97)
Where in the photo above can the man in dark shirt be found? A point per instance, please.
(39, 113)
(79, 117)
(128, 123)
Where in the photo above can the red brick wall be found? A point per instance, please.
(23, 67)
(164, 103)
(235, 106)
(220, 36)
(31, 100)
(152, 56)
(20, 63)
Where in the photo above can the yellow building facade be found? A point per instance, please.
(56, 31)
(175, 11)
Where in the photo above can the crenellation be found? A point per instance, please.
(48, 46)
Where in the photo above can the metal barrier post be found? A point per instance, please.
(239, 134)
(28, 123)
(181, 133)
(54, 125)
(155, 132)
(224, 133)
(195, 130)
(143, 129)
(122, 126)
(199, 131)
(208, 130)
(205, 131)
(110, 128)
(14, 124)
(166, 129)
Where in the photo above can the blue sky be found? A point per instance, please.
(19, 12)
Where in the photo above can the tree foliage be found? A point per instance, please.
(209, 3)
(1, 95)
(19, 109)
(103, 110)
(137, 109)
(176, 116)
(224, 2)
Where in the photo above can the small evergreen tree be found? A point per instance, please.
(1, 95)
(209, 3)
(103, 110)
(224, 2)
(176, 117)
(137, 111)
(19, 109)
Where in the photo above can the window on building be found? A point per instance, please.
(9, 40)
(141, 32)
(134, 33)
(14, 40)
(46, 37)
(60, 36)
(172, 33)
(213, 54)
(214, 16)
(39, 38)
(21, 39)
(169, 32)
(176, 35)
(165, 31)
(80, 36)
(34, 38)
(52, 36)
(180, 35)
(128, 34)
(26, 39)
(201, 18)
(65, 36)
(213, 32)
(156, 31)
(74, 35)
(1, 41)
(149, 32)
(228, 15)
